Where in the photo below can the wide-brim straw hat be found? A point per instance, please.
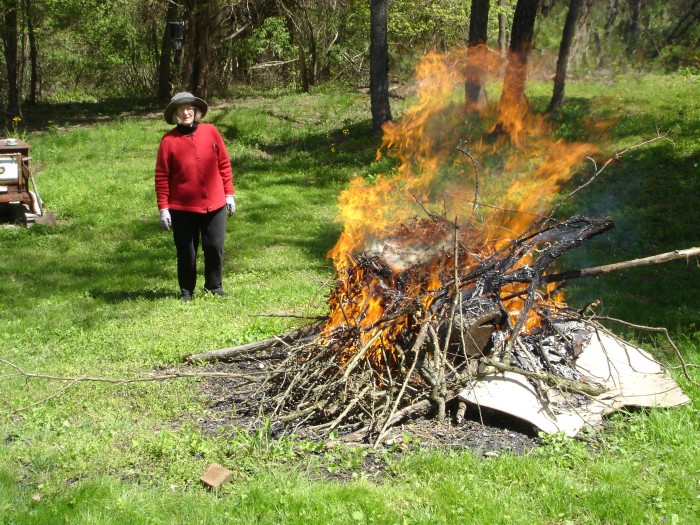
(183, 98)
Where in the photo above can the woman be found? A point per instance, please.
(194, 190)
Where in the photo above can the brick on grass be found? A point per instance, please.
(215, 475)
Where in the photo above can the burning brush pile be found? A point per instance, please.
(446, 281)
(403, 339)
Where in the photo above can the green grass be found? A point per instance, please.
(96, 295)
(651, 193)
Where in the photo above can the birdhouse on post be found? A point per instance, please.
(177, 34)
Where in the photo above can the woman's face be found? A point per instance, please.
(186, 114)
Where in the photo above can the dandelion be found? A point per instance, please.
(346, 131)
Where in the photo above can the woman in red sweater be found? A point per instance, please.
(194, 190)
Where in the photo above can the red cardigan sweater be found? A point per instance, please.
(193, 172)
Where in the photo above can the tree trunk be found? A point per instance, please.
(303, 70)
(165, 64)
(198, 47)
(33, 53)
(22, 48)
(10, 36)
(475, 84)
(199, 81)
(563, 59)
(632, 33)
(502, 28)
(313, 58)
(513, 104)
(478, 22)
(580, 47)
(604, 56)
(190, 36)
(379, 64)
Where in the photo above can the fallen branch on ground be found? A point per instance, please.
(225, 354)
(20, 372)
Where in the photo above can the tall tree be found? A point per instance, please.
(613, 9)
(580, 48)
(633, 27)
(475, 84)
(563, 58)
(379, 64)
(502, 23)
(304, 36)
(199, 17)
(303, 69)
(513, 103)
(165, 63)
(10, 40)
(33, 51)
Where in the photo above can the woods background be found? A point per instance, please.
(83, 50)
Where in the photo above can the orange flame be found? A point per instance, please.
(521, 170)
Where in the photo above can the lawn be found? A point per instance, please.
(95, 296)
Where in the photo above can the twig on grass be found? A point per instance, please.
(118, 381)
(48, 398)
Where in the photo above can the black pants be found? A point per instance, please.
(187, 229)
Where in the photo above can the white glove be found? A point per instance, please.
(165, 221)
(230, 205)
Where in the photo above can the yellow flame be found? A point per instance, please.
(520, 171)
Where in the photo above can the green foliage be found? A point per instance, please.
(15, 129)
(94, 49)
(671, 36)
(174, 445)
(269, 42)
(273, 37)
(684, 59)
(659, 39)
(431, 25)
(415, 29)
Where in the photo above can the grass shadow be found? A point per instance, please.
(45, 115)
(116, 296)
(99, 269)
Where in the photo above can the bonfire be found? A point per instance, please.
(446, 281)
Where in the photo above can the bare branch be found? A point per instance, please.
(625, 265)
